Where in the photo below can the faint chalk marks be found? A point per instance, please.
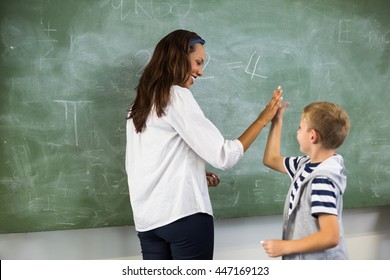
(73, 119)
(152, 9)
(344, 31)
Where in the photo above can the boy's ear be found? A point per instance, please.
(315, 136)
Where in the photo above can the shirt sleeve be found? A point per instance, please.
(323, 196)
(189, 121)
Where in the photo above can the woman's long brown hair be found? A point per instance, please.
(168, 66)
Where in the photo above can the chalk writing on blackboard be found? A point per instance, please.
(258, 192)
(151, 9)
(344, 31)
(254, 68)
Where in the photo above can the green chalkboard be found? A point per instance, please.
(68, 70)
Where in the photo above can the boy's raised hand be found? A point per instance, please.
(280, 112)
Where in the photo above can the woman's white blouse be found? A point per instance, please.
(165, 163)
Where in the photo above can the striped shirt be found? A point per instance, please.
(323, 191)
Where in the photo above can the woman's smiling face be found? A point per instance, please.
(197, 58)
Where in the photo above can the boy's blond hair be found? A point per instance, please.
(330, 121)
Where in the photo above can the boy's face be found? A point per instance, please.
(304, 136)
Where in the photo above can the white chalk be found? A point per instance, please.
(262, 241)
(279, 87)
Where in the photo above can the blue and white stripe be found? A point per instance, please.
(323, 196)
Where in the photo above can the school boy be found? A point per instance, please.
(312, 224)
